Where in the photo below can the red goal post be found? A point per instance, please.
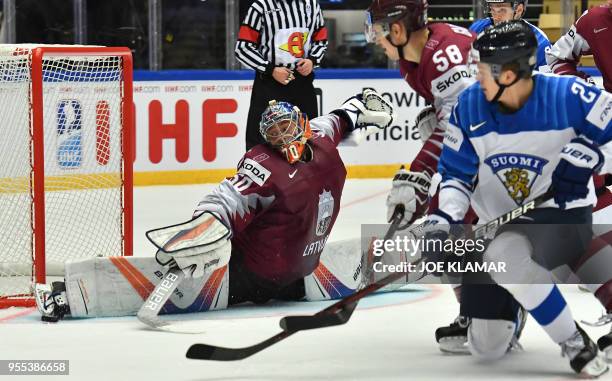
(67, 190)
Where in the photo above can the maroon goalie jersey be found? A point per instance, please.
(591, 34)
(281, 214)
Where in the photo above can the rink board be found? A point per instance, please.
(190, 125)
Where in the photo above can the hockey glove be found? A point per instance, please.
(368, 109)
(437, 230)
(411, 190)
(197, 247)
(426, 122)
(570, 179)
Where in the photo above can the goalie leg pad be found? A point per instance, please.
(117, 286)
(339, 272)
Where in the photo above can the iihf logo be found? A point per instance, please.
(517, 172)
(69, 135)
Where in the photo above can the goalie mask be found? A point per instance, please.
(284, 127)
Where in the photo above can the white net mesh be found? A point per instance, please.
(15, 217)
(82, 109)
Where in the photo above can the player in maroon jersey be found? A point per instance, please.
(590, 34)
(433, 59)
(283, 209)
(271, 223)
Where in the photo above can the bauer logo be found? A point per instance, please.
(159, 293)
(69, 134)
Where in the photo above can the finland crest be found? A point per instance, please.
(517, 172)
(326, 210)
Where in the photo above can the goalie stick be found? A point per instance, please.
(148, 313)
(185, 237)
(340, 312)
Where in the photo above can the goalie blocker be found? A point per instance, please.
(279, 209)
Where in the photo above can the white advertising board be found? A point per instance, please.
(199, 125)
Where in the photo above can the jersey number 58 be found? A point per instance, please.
(450, 53)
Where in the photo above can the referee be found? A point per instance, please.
(282, 40)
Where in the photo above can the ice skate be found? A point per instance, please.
(583, 354)
(51, 301)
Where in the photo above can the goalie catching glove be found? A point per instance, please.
(367, 113)
(197, 247)
(411, 190)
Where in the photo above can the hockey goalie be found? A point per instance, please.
(258, 235)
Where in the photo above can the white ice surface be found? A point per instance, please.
(394, 342)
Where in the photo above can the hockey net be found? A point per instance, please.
(65, 161)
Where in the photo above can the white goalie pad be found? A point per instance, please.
(339, 271)
(347, 266)
(118, 286)
(202, 234)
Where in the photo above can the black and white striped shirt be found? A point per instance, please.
(280, 32)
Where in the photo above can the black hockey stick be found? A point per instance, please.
(340, 316)
(334, 315)
(298, 323)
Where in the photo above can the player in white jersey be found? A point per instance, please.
(433, 60)
(510, 138)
